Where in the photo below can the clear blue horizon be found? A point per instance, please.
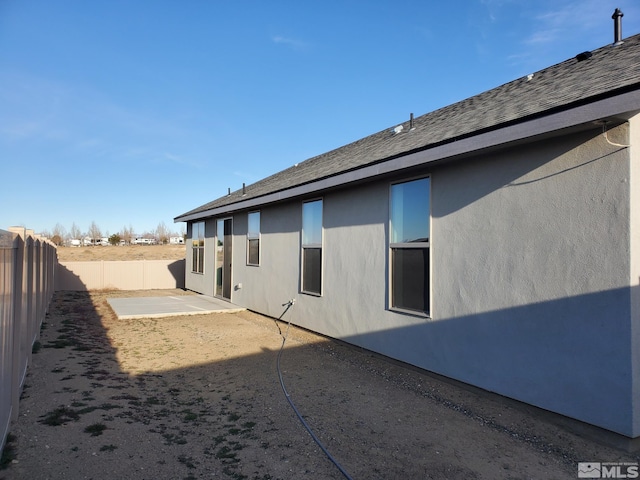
(128, 114)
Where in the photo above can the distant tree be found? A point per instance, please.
(75, 233)
(94, 232)
(114, 239)
(59, 230)
(58, 234)
(162, 233)
(127, 234)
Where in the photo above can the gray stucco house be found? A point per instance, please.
(495, 241)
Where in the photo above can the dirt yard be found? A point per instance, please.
(200, 397)
(129, 252)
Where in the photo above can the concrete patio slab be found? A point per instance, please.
(155, 307)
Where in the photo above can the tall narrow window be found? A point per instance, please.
(197, 247)
(224, 255)
(410, 245)
(253, 238)
(312, 247)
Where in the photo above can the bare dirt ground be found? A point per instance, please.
(200, 397)
(129, 252)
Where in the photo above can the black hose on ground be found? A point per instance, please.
(289, 304)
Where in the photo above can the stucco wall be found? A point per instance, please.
(538, 306)
(634, 202)
(530, 252)
(530, 257)
(266, 287)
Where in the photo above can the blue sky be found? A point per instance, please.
(129, 113)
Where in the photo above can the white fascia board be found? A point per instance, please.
(619, 105)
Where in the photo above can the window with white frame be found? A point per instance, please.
(312, 247)
(197, 247)
(409, 244)
(253, 238)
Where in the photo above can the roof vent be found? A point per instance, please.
(617, 27)
(584, 56)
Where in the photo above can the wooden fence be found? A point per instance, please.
(27, 274)
(120, 275)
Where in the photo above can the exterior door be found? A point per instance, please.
(223, 258)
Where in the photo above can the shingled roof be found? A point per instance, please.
(586, 78)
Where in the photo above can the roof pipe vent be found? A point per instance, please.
(244, 190)
(411, 127)
(617, 27)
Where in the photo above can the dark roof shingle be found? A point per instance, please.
(609, 70)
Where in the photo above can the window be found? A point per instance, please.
(312, 247)
(197, 247)
(253, 238)
(224, 256)
(410, 215)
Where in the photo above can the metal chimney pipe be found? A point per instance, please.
(244, 190)
(411, 122)
(617, 27)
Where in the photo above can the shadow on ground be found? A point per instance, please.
(199, 397)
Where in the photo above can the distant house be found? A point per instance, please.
(91, 242)
(143, 241)
(495, 241)
(176, 240)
